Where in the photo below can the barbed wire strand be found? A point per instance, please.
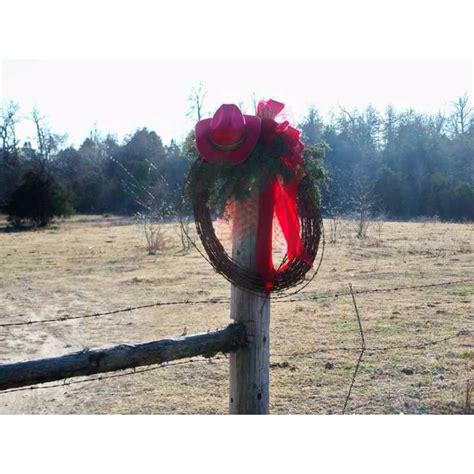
(165, 365)
(369, 349)
(363, 348)
(109, 313)
(226, 301)
(297, 354)
(379, 290)
(135, 371)
(125, 373)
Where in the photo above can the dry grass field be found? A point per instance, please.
(92, 263)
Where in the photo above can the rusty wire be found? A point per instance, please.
(293, 274)
(101, 378)
(303, 297)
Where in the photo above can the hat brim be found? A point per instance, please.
(234, 157)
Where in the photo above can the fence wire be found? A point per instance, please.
(303, 297)
(100, 378)
(363, 349)
(421, 345)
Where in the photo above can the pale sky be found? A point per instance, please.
(123, 95)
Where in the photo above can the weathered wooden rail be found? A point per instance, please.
(119, 357)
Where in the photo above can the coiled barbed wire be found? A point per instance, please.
(293, 274)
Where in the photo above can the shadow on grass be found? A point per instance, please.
(17, 229)
(12, 229)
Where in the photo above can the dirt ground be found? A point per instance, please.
(92, 263)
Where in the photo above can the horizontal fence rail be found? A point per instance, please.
(120, 357)
(30, 375)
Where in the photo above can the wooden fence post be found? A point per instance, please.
(249, 366)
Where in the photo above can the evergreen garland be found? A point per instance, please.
(218, 182)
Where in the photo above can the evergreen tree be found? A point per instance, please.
(38, 199)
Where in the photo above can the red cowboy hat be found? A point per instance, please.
(228, 136)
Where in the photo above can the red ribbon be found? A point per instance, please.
(279, 198)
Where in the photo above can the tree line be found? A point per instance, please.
(400, 164)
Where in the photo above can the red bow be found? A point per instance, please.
(279, 197)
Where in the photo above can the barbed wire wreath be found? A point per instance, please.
(200, 191)
(273, 174)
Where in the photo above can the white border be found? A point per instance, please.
(236, 29)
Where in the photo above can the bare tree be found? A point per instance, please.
(154, 231)
(10, 162)
(379, 223)
(362, 222)
(350, 117)
(183, 230)
(363, 207)
(8, 121)
(196, 102)
(462, 111)
(334, 224)
(47, 142)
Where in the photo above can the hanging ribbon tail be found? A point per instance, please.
(286, 208)
(280, 199)
(264, 248)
